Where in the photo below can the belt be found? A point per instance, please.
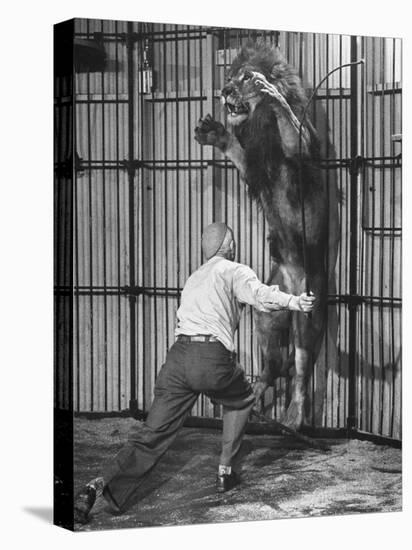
(196, 338)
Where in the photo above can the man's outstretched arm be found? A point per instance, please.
(248, 289)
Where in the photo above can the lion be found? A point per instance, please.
(265, 101)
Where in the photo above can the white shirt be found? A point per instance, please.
(213, 298)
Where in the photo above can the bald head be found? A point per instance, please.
(217, 240)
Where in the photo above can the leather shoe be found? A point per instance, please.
(83, 503)
(226, 482)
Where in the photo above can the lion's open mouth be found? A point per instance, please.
(237, 108)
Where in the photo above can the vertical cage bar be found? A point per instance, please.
(212, 69)
(202, 182)
(104, 231)
(202, 93)
(143, 237)
(328, 183)
(76, 250)
(353, 260)
(226, 188)
(382, 185)
(154, 219)
(166, 195)
(140, 302)
(340, 175)
(131, 177)
(189, 140)
(177, 139)
(91, 265)
(372, 208)
(393, 239)
(362, 337)
(119, 343)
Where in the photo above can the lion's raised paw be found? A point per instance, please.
(211, 132)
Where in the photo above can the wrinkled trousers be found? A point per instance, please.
(191, 368)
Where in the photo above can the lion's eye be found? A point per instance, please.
(247, 76)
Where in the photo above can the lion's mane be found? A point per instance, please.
(259, 135)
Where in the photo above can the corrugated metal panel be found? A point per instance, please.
(101, 225)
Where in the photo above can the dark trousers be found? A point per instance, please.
(191, 368)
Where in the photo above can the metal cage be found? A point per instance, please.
(143, 189)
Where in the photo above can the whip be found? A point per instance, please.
(300, 176)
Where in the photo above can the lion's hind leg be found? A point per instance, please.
(273, 336)
(307, 335)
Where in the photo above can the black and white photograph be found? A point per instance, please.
(227, 267)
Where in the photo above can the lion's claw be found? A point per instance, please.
(210, 132)
(295, 416)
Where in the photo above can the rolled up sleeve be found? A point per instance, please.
(248, 289)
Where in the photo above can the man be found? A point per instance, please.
(202, 360)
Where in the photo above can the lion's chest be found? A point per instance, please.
(281, 202)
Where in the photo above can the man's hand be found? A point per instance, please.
(303, 303)
(306, 303)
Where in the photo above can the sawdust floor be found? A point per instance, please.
(281, 478)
